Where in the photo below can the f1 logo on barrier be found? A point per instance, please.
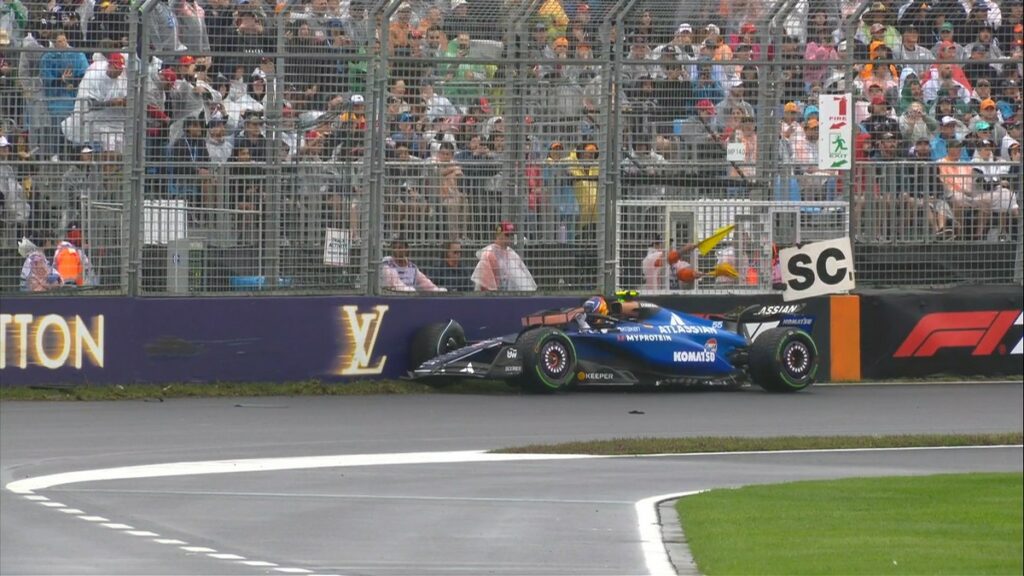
(817, 269)
(983, 331)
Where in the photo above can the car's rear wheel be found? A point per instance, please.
(783, 360)
(549, 359)
(434, 340)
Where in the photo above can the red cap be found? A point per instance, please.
(485, 105)
(169, 75)
(706, 105)
(75, 237)
(878, 100)
(186, 60)
(115, 60)
(507, 227)
(748, 28)
(312, 135)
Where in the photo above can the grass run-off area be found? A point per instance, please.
(646, 446)
(947, 524)
(103, 392)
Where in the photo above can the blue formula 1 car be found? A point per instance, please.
(629, 343)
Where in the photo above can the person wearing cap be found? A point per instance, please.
(983, 129)
(946, 68)
(686, 48)
(947, 48)
(99, 114)
(1013, 135)
(746, 34)
(399, 274)
(987, 42)
(977, 66)
(992, 194)
(499, 267)
(1009, 98)
(81, 179)
(948, 128)
(988, 112)
(61, 70)
(875, 26)
(885, 75)
(791, 127)
(982, 13)
(717, 48)
(957, 181)
(910, 53)
(1014, 157)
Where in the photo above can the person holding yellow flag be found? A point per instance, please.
(585, 173)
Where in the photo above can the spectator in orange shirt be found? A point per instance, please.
(957, 179)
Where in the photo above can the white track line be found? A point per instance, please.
(655, 553)
(29, 485)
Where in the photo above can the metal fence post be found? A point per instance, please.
(612, 63)
(135, 142)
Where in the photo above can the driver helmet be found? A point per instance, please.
(596, 305)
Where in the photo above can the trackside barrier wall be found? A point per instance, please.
(969, 331)
(109, 340)
(874, 335)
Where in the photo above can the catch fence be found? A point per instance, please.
(291, 147)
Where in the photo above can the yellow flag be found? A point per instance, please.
(710, 242)
(726, 269)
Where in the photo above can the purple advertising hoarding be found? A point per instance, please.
(122, 340)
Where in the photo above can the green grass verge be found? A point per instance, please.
(638, 446)
(948, 524)
(233, 389)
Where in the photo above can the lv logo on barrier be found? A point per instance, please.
(360, 333)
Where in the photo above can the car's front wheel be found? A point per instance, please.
(549, 359)
(434, 340)
(783, 360)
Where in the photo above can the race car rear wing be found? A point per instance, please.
(757, 314)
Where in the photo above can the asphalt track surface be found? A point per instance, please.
(320, 514)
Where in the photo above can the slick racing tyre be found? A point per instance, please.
(549, 359)
(434, 340)
(783, 360)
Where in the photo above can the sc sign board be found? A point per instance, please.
(817, 269)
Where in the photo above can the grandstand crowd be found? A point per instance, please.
(937, 87)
